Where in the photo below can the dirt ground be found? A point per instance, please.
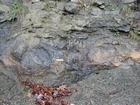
(107, 87)
(113, 87)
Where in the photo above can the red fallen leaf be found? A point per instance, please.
(49, 90)
(64, 102)
(62, 87)
(48, 96)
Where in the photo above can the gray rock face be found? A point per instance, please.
(129, 1)
(64, 47)
(136, 25)
(66, 42)
(72, 8)
(107, 88)
(4, 13)
(8, 2)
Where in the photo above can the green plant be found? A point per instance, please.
(16, 5)
(46, 7)
(16, 9)
(117, 33)
(25, 88)
(50, 5)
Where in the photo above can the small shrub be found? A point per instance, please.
(117, 33)
(16, 5)
(16, 9)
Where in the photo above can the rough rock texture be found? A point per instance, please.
(114, 87)
(4, 13)
(62, 43)
(129, 1)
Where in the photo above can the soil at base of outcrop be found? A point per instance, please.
(108, 87)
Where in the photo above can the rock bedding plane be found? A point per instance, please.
(65, 42)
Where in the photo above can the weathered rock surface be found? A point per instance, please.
(114, 87)
(4, 13)
(62, 43)
(136, 24)
(129, 1)
(65, 46)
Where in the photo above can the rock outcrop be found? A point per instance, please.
(65, 42)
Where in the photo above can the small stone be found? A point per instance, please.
(96, 11)
(99, 2)
(102, 6)
(124, 28)
(60, 6)
(72, 7)
(74, 0)
(115, 43)
(116, 64)
(135, 56)
(34, 1)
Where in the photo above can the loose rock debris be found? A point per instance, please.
(48, 95)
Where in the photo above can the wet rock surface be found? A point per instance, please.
(63, 43)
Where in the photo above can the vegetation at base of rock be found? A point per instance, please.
(48, 95)
(117, 33)
(25, 88)
(16, 9)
